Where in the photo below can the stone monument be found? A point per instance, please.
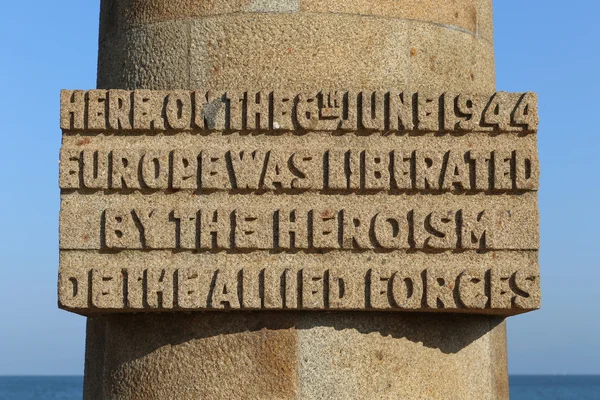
(297, 199)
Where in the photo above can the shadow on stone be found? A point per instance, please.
(141, 334)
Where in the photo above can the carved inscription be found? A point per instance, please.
(299, 228)
(313, 222)
(321, 200)
(300, 169)
(314, 288)
(144, 110)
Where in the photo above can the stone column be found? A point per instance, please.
(295, 45)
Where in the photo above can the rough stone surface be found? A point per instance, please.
(302, 350)
(472, 16)
(399, 181)
(510, 222)
(162, 281)
(296, 51)
(300, 355)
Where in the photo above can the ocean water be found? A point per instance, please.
(41, 387)
(554, 387)
(521, 387)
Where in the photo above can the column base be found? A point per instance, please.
(296, 355)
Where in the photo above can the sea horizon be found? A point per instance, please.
(558, 386)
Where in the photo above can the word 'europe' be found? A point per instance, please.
(253, 169)
(313, 288)
(298, 229)
(145, 110)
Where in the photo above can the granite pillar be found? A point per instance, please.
(296, 45)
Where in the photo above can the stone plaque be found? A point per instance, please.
(324, 200)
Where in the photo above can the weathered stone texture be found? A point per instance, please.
(300, 355)
(318, 172)
(497, 283)
(88, 223)
(473, 16)
(139, 186)
(361, 112)
(289, 52)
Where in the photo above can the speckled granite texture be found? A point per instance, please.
(339, 270)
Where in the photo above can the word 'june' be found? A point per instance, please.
(378, 288)
(284, 229)
(145, 110)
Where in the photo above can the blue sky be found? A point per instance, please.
(550, 47)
